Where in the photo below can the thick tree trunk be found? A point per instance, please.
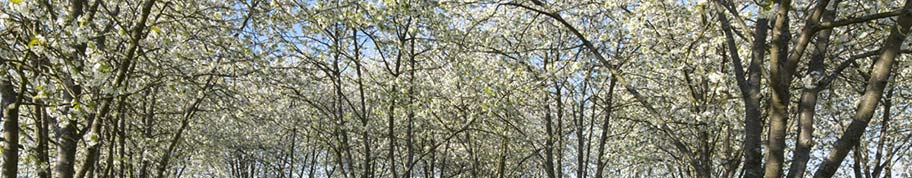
(880, 74)
(66, 147)
(779, 100)
(782, 69)
(750, 91)
(10, 105)
(753, 123)
(808, 105)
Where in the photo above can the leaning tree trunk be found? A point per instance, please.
(880, 74)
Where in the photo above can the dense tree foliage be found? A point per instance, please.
(453, 88)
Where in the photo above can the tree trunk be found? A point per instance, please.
(368, 163)
(856, 166)
(391, 155)
(66, 149)
(580, 141)
(88, 165)
(10, 105)
(185, 121)
(753, 123)
(41, 122)
(750, 91)
(502, 163)
(559, 129)
(808, 105)
(410, 110)
(779, 100)
(884, 127)
(600, 164)
(549, 132)
(880, 74)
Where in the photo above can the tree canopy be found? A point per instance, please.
(455, 88)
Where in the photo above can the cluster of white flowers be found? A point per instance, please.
(27, 9)
(716, 77)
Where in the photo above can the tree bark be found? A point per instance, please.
(10, 105)
(41, 122)
(66, 153)
(549, 132)
(808, 105)
(66, 149)
(410, 109)
(368, 171)
(750, 91)
(880, 74)
(779, 100)
(753, 123)
(884, 127)
(600, 165)
(580, 117)
(391, 127)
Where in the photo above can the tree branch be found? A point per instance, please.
(862, 19)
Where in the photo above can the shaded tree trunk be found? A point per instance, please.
(549, 132)
(41, 124)
(750, 90)
(10, 105)
(779, 99)
(410, 109)
(66, 147)
(880, 74)
(66, 152)
(365, 134)
(808, 103)
(391, 127)
(606, 124)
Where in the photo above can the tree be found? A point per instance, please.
(491, 88)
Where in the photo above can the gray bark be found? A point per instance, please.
(10, 105)
(880, 74)
(808, 105)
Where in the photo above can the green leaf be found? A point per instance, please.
(34, 41)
